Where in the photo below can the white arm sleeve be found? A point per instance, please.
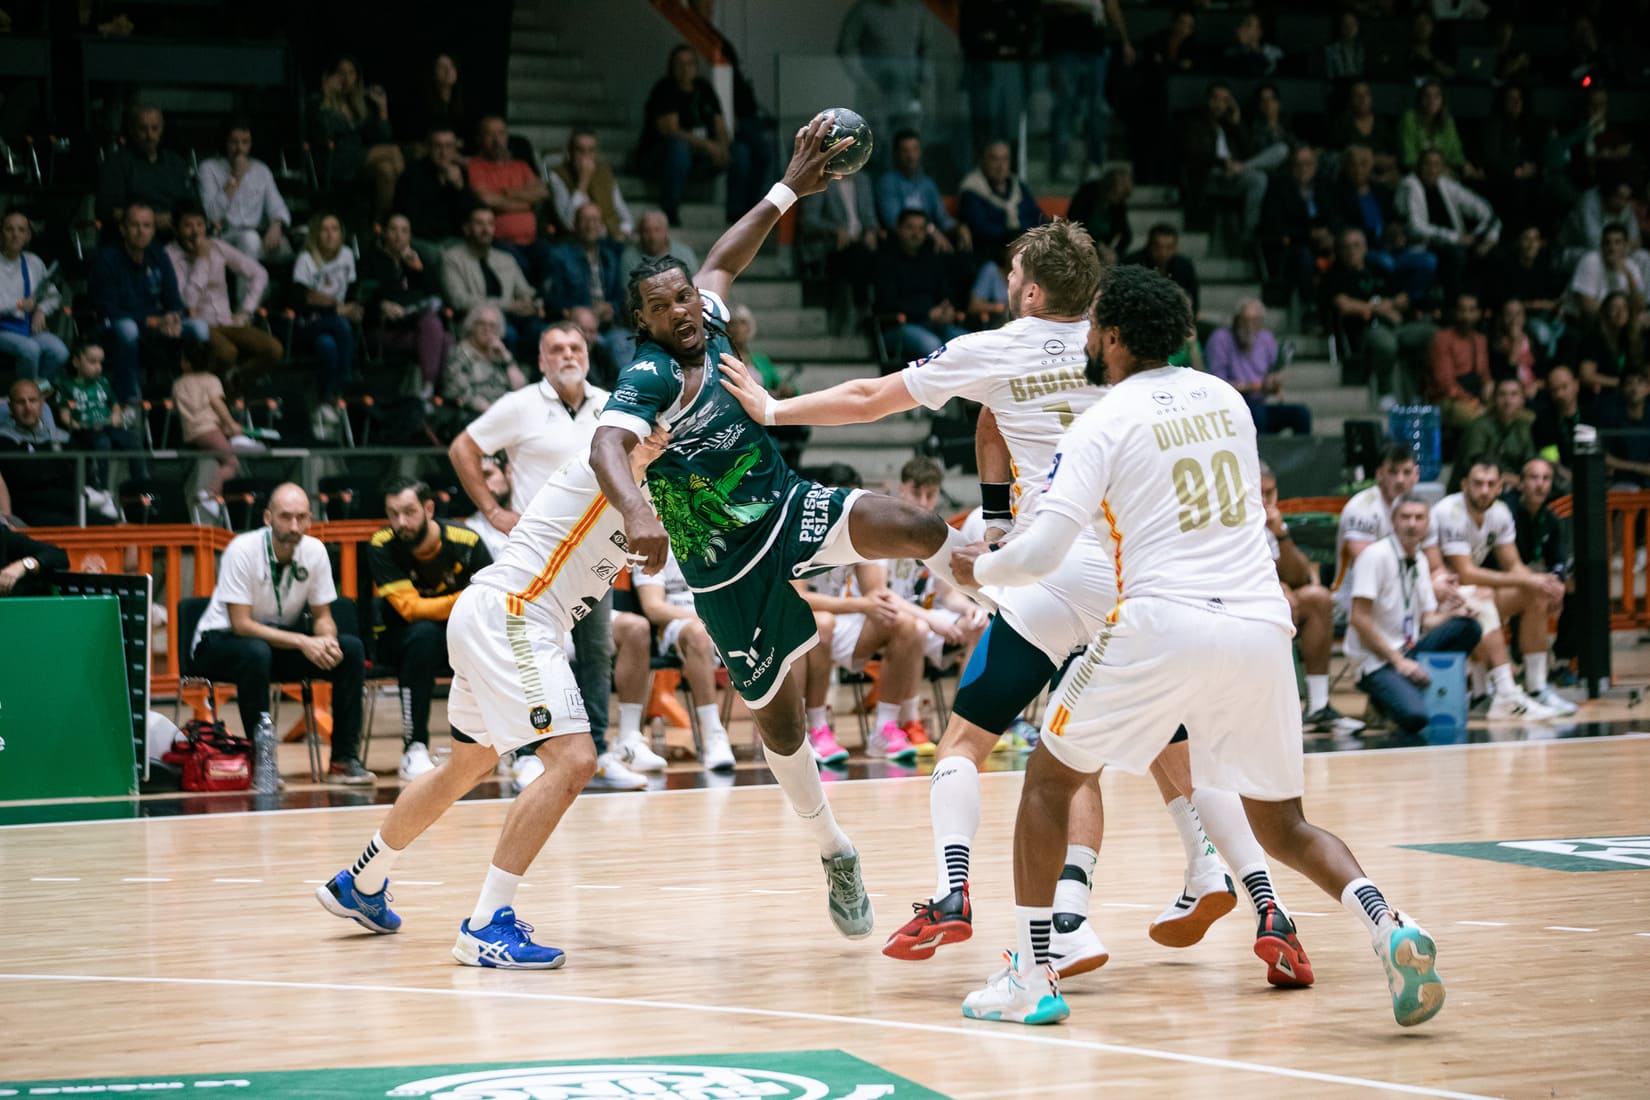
(1034, 554)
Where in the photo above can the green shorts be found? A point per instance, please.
(758, 620)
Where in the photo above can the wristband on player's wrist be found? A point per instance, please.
(996, 501)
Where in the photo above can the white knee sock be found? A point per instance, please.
(886, 712)
(1535, 673)
(798, 777)
(497, 891)
(1228, 826)
(954, 812)
(1071, 893)
(1317, 693)
(908, 710)
(710, 718)
(373, 866)
(1200, 853)
(816, 718)
(630, 721)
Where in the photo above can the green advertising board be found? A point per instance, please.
(786, 1075)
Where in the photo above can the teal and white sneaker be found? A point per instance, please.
(1410, 958)
(850, 906)
(1021, 997)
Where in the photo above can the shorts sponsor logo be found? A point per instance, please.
(583, 608)
(816, 514)
(540, 717)
(575, 706)
(617, 539)
(605, 569)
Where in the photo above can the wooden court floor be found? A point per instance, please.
(694, 923)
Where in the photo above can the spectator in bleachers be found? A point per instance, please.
(654, 239)
(1294, 226)
(206, 424)
(251, 632)
(1627, 456)
(1502, 430)
(135, 292)
(905, 186)
(440, 104)
(1343, 58)
(884, 45)
(87, 410)
(585, 176)
(1245, 354)
(242, 202)
(513, 190)
(988, 296)
(1076, 38)
(1512, 353)
(750, 160)
(1458, 365)
(495, 474)
(1424, 62)
(604, 369)
(1557, 413)
(1611, 349)
(29, 300)
(419, 566)
(202, 266)
(1215, 151)
(684, 135)
(1513, 146)
(481, 369)
(1543, 539)
(41, 494)
(839, 240)
(1528, 275)
(913, 279)
(1582, 56)
(1358, 202)
(403, 300)
(474, 271)
(1269, 134)
(667, 602)
(1608, 203)
(999, 40)
(994, 203)
(28, 565)
(1611, 269)
(434, 193)
(1247, 55)
(589, 271)
(1452, 222)
(140, 171)
(1396, 615)
(352, 135)
(1372, 312)
(1162, 254)
(1102, 207)
(1168, 53)
(1512, 62)
(1360, 125)
(325, 291)
(1429, 125)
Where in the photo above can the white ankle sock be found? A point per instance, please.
(1193, 840)
(630, 721)
(1501, 680)
(1227, 824)
(1317, 693)
(816, 718)
(497, 891)
(1535, 673)
(908, 710)
(710, 718)
(954, 812)
(798, 776)
(1071, 894)
(372, 868)
(1363, 900)
(886, 712)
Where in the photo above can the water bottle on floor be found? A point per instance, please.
(266, 775)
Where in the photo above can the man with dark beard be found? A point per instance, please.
(419, 567)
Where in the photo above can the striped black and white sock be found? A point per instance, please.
(1364, 900)
(956, 866)
(1036, 926)
(1258, 883)
(372, 867)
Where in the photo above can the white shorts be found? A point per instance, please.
(512, 684)
(670, 640)
(1231, 682)
(844, 640)
(1063, 611)
(933, 646)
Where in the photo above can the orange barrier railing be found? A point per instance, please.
(1625, 517)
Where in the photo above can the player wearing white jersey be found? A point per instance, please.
(1167, 471)
(512, 688)
(1030, 377)
(1367, 517)
(1467, 530)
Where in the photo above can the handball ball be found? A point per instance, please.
(845, 124)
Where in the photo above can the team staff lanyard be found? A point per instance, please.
(1407, 575)
(296, 573)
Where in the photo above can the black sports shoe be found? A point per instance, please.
(1277, 946)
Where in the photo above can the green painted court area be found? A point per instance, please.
(786, 1075)
(1593, 853)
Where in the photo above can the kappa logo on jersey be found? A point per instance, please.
(931, 356)
(540, 717)
(645, 366)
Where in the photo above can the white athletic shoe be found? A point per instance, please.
(1015, 996)
(1516, 705)
(1207, 896)
(1553, 701)
(718, 754)
(612, 775)
(527, 768)
(415, 761)
(637, 756)
(1077, 951)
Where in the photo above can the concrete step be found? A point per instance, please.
(772, 263)
(1342, 401)
(843, 349)
(698, 217)
(1222, 298)
(878, 467)
(895, 431)
(781, 323)
(554, 86)
(763, 295)
(822, 376)
(1220, 313)
(542, 111)
(1141, 220)
(531, 16)
(527, 39)
(1312, 374)
(542, 63)
(1226, 269)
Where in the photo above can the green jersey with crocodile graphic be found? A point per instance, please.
(720, 485)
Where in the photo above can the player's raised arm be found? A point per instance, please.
(806, 175)
(859, 401)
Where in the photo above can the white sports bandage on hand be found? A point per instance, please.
(782, 197)
(769, 411)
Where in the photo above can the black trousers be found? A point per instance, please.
(252, 664)
(593, 666)
(418, 650)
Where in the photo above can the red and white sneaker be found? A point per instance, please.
(825, 747)
(947, 920)
(890, 742)
(1276, 945)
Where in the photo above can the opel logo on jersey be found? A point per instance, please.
(1163, 397)
(1054, 347)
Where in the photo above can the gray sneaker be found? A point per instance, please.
(350, 773)
(850, 907)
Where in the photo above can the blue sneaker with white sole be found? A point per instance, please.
(1410, 958)
(340, 898)
(504, 943)
(1010, 996)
